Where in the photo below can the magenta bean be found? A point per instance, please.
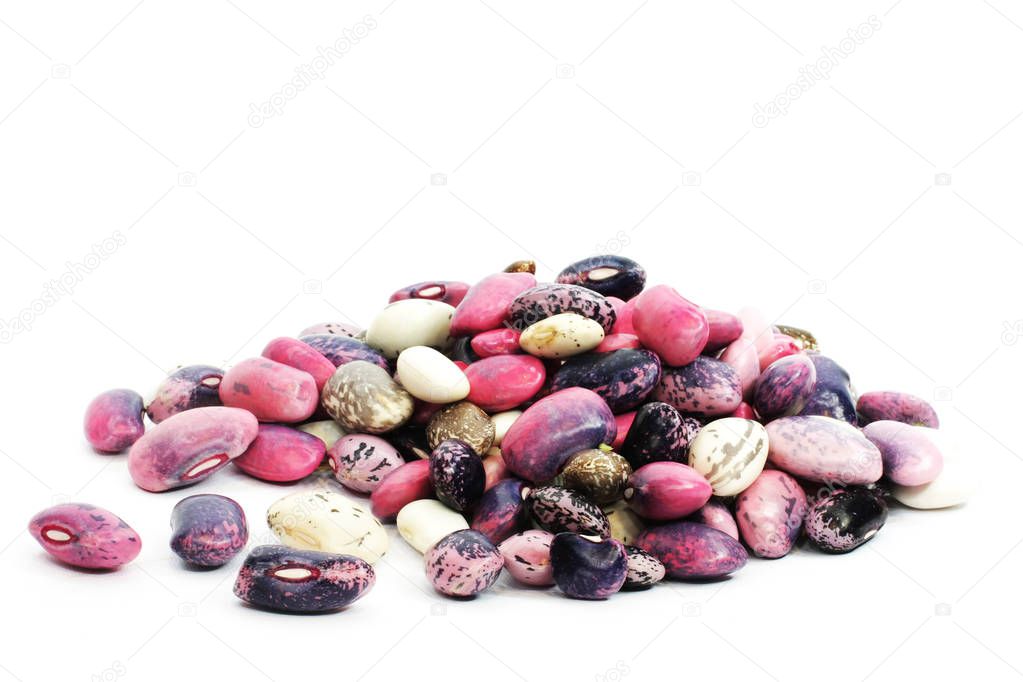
(547, 300)
(190, 446)
(588, 568)
(741, 355)
(784, 387)
(407, 483)
(361, 462)
(281, 454)
(341, 349)
(451, 293)
(705, 386)
(780, 346)
(623, 378)
(302, 356)
(501, 511)
(527, 557)
(208, 530)
(895, 406)
(113, 420)
(496, 342)
(463, 564)
(743, 411)
(665, 491)
(185, 389)
(692, 550)
(909, 454)
(272, 391)
(338, 328)
(644, 569)
(823, 450)
(553, 429)
(716, 515)
(486, 304)
(724, 328)
(674, 328)
(501, 382)
(302, 581)
(85, 536)
(623, 322)
(457, 474)
(771, 513)
(623, 422)
(558, 510)
(608, 275)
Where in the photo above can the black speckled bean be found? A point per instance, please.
(457, 474)
(608, 275)
(623, 378)
(558, 510)
(546, 300)
(659, 434)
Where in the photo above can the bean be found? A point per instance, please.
(731, 453)
(561, 336)
(463, 564)
(833, 393)
(486, 304)
(527, 557)
(823, 450)
(208, 530)
(301, 356)
(361, 462)
(404, 485)
(540, 441)
(430, 376)
(895, 406)
(185, 389)
(85, 536)
(423, 523)
(705, 386)
(457, 474)
(113, 420)
(338, 328)
(408, 323)
(659, 433)
(451, 293)
(272, 391)
(502, 382)
(665, 491)
(190, 446)
(302, 581)
(501, 511)
(598, 474)
(364, 398)
(547, 300)
(623, 378)
(644, 569)
(770, 513)
(845, 519)
(558, 510)
(341, 350)
(909, 454)
(717, 515)
(326, 521)
(723, 329)
(462, 421)
(608, 275)
(784, 387)
(496, 342)
(281, 454)
(674, 328)
(692, 550)
(588, 568)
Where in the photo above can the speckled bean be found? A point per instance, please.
(301, 581)
(85, 536)
(325, 521)
(341, 350)
(771, 513)
(547, 300)
(623, 378)
(705, 386)
(608, 275)
(823, 450)
(365, 399)
(895, 406)
(783, 388)
(360, 462)
(558, 510)
(184, 389)
(586, 567)
(208, 530)
(527, 557)
(659, 434)
(644, 569)
(463, 564)
(501, 511)
(113, 420)
(457, 474)
(692, 550)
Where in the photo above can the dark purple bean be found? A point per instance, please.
(784, 387)
(832, 394)
(457, 474)
(623, 378)
(659, 434)
(208, 530)
(586, 568)
(186, 388)
(692, 550)
(608, 275)
(501, 511)
(845, 519)
(342, 349)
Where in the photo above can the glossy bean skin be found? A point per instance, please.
(554, 428)
(302, 581)
(784, 387)
(340, 349)
(547, 300)
(717, 515)
(845, 519)
(705, 386)
(503, 382)
(665, 491)
(463, 564)
(910, 457)
(302, 356)
(659, 434)
(781, 346)
(600, 475)
(644, 569)
(184, 389)
(457, 474)
(692, 550)
(668, 324)
(501, 511)
(741, 355)
(588, 569)
(281, 454)
(608, 275)
(364, 398)
(463, 421)
(360, 462)
(833, 393)
(613, 342)
(189, 446)
(771, 513)
(407, 483)
(85, 536)
(559, 510)
(448, 292)
(823, 450)
(623, 378)
(501, 341)
(623, 422)
(896, 406)
(113, 420)
(527, 557)
(486, 304)
(208, 530)
(724, 328)
(272, 391)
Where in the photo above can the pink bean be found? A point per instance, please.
(486, 304)
(85, 536)
(724, 328)
(407, 483)
(272, 391)
(613, 342)
(302, 356)
(781, 346)
(741, 355)
(502, 341)
(668, 324)
(113, 420)
(665, 491)
(281, 454)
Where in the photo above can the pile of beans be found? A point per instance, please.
(593, 433)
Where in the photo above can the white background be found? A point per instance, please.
(452, 139)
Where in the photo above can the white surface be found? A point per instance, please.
(132, 119)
